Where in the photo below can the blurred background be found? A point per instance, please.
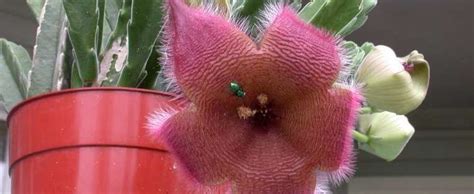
(440, 157)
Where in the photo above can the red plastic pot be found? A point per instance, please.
(91, 140)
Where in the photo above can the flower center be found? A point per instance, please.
(409, 67)
(259, 113)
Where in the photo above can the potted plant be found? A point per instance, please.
(96, 138)
(95, 63)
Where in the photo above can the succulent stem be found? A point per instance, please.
(360, 137)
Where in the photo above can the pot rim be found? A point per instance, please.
(75, 90)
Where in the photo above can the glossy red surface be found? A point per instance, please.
(90, 141)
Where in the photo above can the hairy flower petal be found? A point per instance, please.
(290, 123)
(206, 53)
(215, 151)
(202, 49)
(320, 125)
(217, 147)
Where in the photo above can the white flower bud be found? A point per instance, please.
(393, 84)
(387, 134)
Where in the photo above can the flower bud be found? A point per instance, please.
(387, 134)
(393, 84)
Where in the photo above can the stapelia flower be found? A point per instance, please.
(288, 124)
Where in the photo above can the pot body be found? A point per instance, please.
(91, 140)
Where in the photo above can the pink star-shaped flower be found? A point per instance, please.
(292, 123)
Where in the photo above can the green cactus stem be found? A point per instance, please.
(143, 31)
(83, 16)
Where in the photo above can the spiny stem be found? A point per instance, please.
(360, 137)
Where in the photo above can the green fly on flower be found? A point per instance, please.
(265, 113)
(291, 125)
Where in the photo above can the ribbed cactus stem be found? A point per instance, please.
(83, 16)
(143, 29)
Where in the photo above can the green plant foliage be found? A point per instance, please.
(113, 42)
(335, 14)
(248, 9)
(367, 47)
(296, 5)
(101, 25)
(152, 68)
(84, 16)
(359, 19)
(76, 81)
(251, 7)
(112, 9)
(115, 54)
(3, 117)
(15, 63)
(341, 17)
(50, 40)
(356, 54)
(3, 110)
(36, 6)
(311, 10)
(143, 30)
(236, 6)
(111, 14)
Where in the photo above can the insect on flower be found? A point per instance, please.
(290, 125)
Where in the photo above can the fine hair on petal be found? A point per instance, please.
(157, 119)
(266, 17)
(346, 73)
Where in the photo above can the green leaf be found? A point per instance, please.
(367, 47)
(311, 10)
(83, 16)
(113, 62)
(152, 68)
(76, 81)
(112, 11)
(36, 6)
(356, 54)
(353, 25)
(335, 14)
(107, 32)
(50, 41)
(14, 66)
(3, 111)
(249, 9)
(143, 30)
(67, 66)
(100, 26)
(3, 117)
(360, 19)
(120, 25)
(236, 6)
(296, 5)
(115, 55)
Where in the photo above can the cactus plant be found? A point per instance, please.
(94, 43)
